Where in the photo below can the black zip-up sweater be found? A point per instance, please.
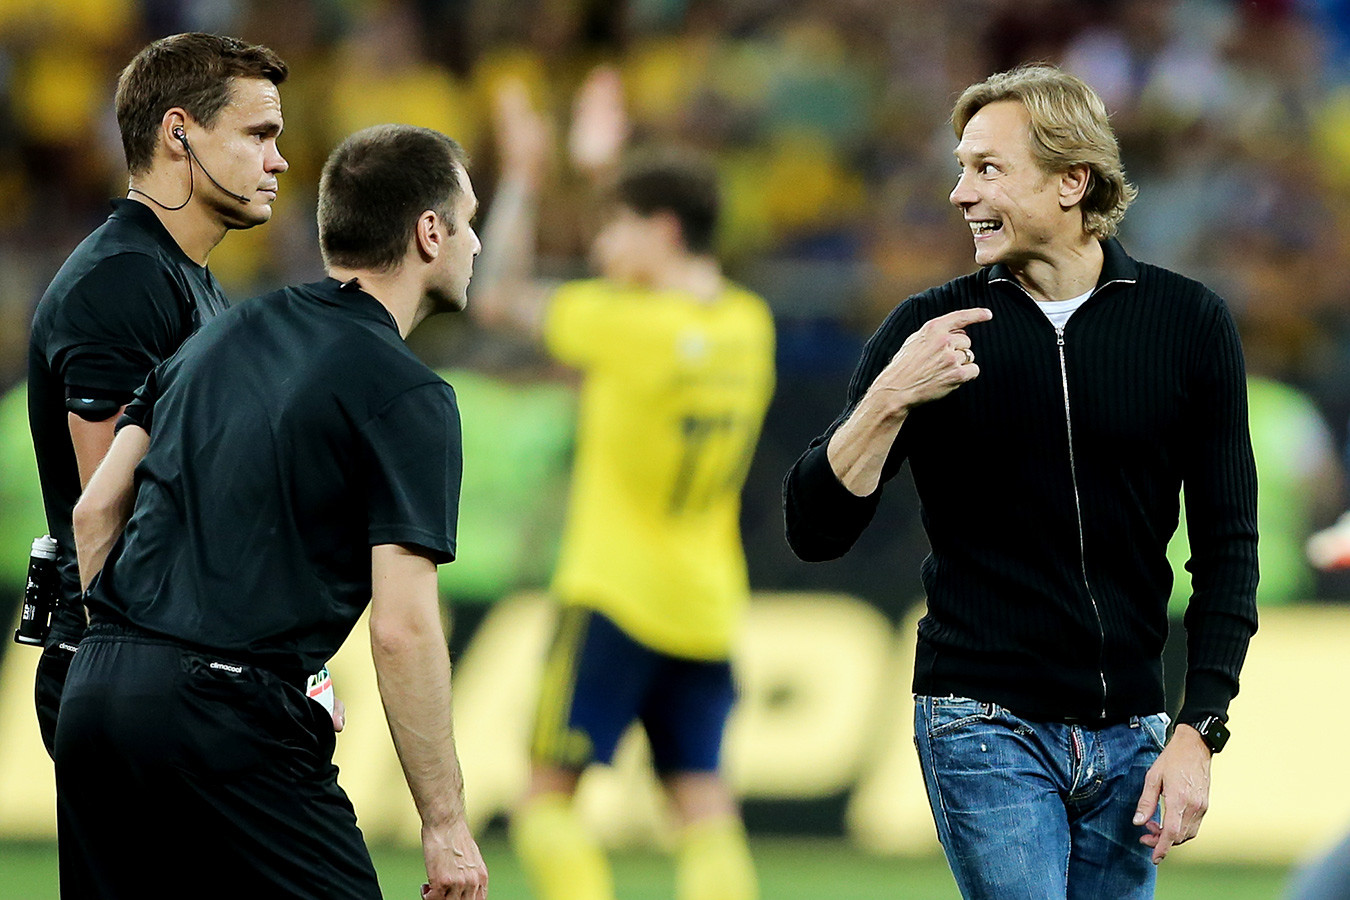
(1049, 487)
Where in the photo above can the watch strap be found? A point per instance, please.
(1213, 731)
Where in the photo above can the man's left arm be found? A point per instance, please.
(1219, 475)
(105, 506)
(412, 666)
(106, 502)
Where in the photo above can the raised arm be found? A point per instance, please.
(831, 493)
(412, 666)
(105, 506)
(600, 125)
(933, 362)
(504, 292)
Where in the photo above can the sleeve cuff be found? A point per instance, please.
(817, 482)
(138, 417)
(438, 547)
(823, 517)
(1207, 694)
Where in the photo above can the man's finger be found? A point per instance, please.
(1171, 833)
(960, 318)
(1148, 800)
(967, 372)
(339, 714)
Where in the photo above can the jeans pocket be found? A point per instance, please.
(1155, 726)
(949, 714)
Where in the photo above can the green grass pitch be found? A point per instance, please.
(789, 869)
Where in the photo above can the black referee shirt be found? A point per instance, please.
(292, 434)
(122, 303)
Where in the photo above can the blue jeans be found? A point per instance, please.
(1037, 810)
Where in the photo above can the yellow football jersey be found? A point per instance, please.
(672, 402)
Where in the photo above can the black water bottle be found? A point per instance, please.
(39, 597)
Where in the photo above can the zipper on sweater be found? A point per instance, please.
(1078, 511)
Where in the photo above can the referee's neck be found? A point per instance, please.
(398, 290)
(195, 229)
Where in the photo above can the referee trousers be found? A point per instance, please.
(180, 774)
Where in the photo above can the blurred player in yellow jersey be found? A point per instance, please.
(677, 370)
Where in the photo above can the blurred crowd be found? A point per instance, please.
(829, 119)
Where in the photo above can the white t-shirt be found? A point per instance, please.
(1058, 311)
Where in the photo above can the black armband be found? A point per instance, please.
(94, 405)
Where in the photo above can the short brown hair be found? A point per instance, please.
(677, 181)
(1069, 127)
(192, 70)
(374, 187)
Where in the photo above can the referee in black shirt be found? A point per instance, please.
(138, 286)
(291, 463)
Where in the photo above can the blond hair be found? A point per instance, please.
(1069, 127)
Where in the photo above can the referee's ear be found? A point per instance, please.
(429, 233)
(171, 137)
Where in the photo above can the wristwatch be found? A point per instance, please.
(1212, 731)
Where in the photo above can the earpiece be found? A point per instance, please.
(179, 133)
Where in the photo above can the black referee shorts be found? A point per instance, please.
(182, 774)
(57, 652)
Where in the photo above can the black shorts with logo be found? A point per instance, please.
(182, 773)
(57, 651)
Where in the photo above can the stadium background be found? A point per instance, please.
(828, 120)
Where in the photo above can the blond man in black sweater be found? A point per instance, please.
(1051, 406)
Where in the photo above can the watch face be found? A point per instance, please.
(1214, 732)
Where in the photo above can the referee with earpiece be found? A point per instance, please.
(138, 286)
(293, 463)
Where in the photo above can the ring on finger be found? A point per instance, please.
(970, 356)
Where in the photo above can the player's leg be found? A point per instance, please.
(558, 853)
(995, 784)
(1106, 858)
(685, 717)
(713, 861)
(594, 678)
